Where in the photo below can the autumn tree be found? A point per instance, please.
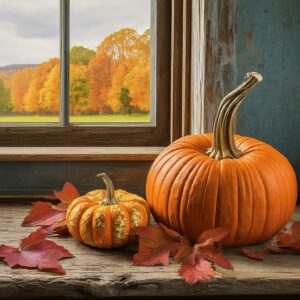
(19, 87)
(120, 45)
(125, 101)
(80, 55)
(117, 80)
(39, 76)
(5, 104)
(99, 76)
(49, 94)
(79, 90)
(138, 83)
(138, 77)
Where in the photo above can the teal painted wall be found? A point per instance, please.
(268, 41)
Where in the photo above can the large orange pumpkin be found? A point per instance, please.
(106, 218)
(205, 181)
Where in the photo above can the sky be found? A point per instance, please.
(29, 29)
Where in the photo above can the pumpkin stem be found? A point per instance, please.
(223, 145)
(110, 190)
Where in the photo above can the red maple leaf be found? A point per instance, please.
(68, 193)
(208, 246)
(195, 269)
(59, 227)
(35, 251)
(290, 239)
(255, 254)
(46, 214)
(287, 240)
(43, 214)
(156, 245)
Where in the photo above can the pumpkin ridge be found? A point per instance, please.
(84, 226)
(272, 164)
(158, 183)
(247, 206)
(96, 225)
(81, 207)
(204, 168)
(284, 210)
(264, 232)
(185, 193)
(236, 185)
(167, 188)
(207, 199)
(179, 194)
(120, 240)
(209, 170)
(228, 211)
(261, 211)
(154, 171)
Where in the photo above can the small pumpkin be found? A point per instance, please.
(204, 181)
(105, 218)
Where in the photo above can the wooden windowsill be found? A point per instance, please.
(79, 153)
(103, 273)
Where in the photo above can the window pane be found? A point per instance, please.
(110, 61)
(29, 64)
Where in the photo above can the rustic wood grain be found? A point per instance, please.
(42, 177)
(180, 68)
(213, 58)
(99, 273)
(186, 67)
(176, 69)
(79, 153)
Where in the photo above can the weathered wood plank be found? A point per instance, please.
(42, 177)
(213, 58)
(79, 153)
(99, 273)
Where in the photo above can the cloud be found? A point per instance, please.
(29, 29)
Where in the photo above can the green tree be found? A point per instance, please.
(5, 103)
(80, 55)
(125, 101)
(79, 90)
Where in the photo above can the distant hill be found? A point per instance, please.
(17, 67)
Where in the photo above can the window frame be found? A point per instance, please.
(64, 134)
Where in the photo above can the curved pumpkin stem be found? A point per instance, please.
(223, 145)
(110, 190)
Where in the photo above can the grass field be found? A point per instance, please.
(78, 119)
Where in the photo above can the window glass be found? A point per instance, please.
(29, 63)
(110, 61)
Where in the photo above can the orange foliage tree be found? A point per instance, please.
(130, 67)
(49, 94)
(99, 75)
(19, 86)
(39, 76)
(138, 78)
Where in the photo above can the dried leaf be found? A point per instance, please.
(59, 227)
(208, 246)
(255, 254)
(43, 214)
(68, 193)
(46, 214)
(35, 251)
(287, 240)
(155, 246)
(290, 239)
(195, 269)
